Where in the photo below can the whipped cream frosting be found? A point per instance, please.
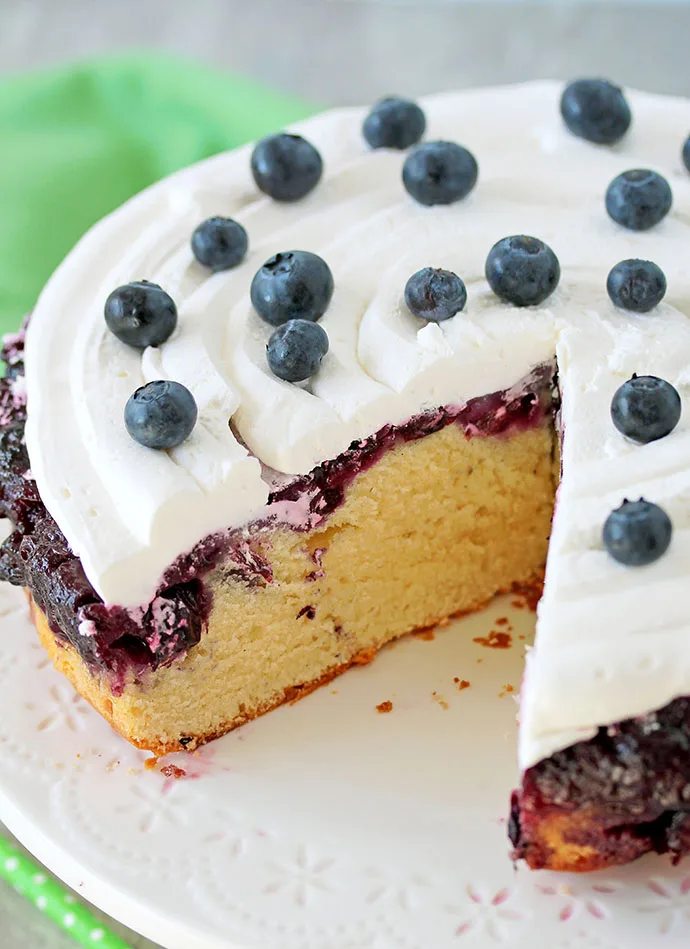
(612, 641)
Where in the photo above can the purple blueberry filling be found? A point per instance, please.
(495, 414)
(122, 641)
(633, 778)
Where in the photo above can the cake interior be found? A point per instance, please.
(609, 800)
(422, 525)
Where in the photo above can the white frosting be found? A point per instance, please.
(612, 642)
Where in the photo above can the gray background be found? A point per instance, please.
(345, 51)
(349, 50)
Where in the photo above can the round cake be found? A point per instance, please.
(305, 397)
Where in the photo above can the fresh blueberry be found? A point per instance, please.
(394, 123)
(636, 285)
(439, 173)
(219, 243)
(638, 199)
(160, 414)
(596, 110)
(645, 408)
(522, 270)
(434, 294)
(286, 167)
(637, 533)
(295, 350)
(686, 153)
(141, 314)
(293, 285)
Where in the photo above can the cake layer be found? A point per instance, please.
(415, 523)
(611, 799)
(437, 526)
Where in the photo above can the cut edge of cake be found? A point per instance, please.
(405, 527)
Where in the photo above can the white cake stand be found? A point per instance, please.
(326, 825)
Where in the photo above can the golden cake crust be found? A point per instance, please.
(68, 661)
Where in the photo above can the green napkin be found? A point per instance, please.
(76, 142)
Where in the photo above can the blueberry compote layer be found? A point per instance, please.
(631, 782)
(129, 642)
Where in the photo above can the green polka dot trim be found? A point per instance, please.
(51, 898)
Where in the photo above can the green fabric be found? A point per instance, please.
(76, 142)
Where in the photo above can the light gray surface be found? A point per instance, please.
(349, 50)
(342, 51)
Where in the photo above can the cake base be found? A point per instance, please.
(577, 841)
(436, 527)
(66, 660)
(606, 801)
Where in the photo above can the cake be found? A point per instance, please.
(342, 380)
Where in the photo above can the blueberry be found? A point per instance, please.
(286, 167)
(435, 294)
(160, 414)
(295, 350)
(141, 314)
(522, 270)
(596, 110)
(645, 408)
(394, 123)
(439, 173)
(293, 285)
(637, 533)
(686, 153)
(636, 285)
(219, 243)
(638, 199)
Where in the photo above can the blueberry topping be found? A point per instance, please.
(286, 167)
(220, 243)
(439, 173)
(522, 270)
(638, 199)
(141, 314)
(637, 533)
(434, 294)
(293, 285)
(596, 110)
(645, 408)
(686, 152)
(394, 123)
(160, 414)
(636, 285)
(295, 350)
